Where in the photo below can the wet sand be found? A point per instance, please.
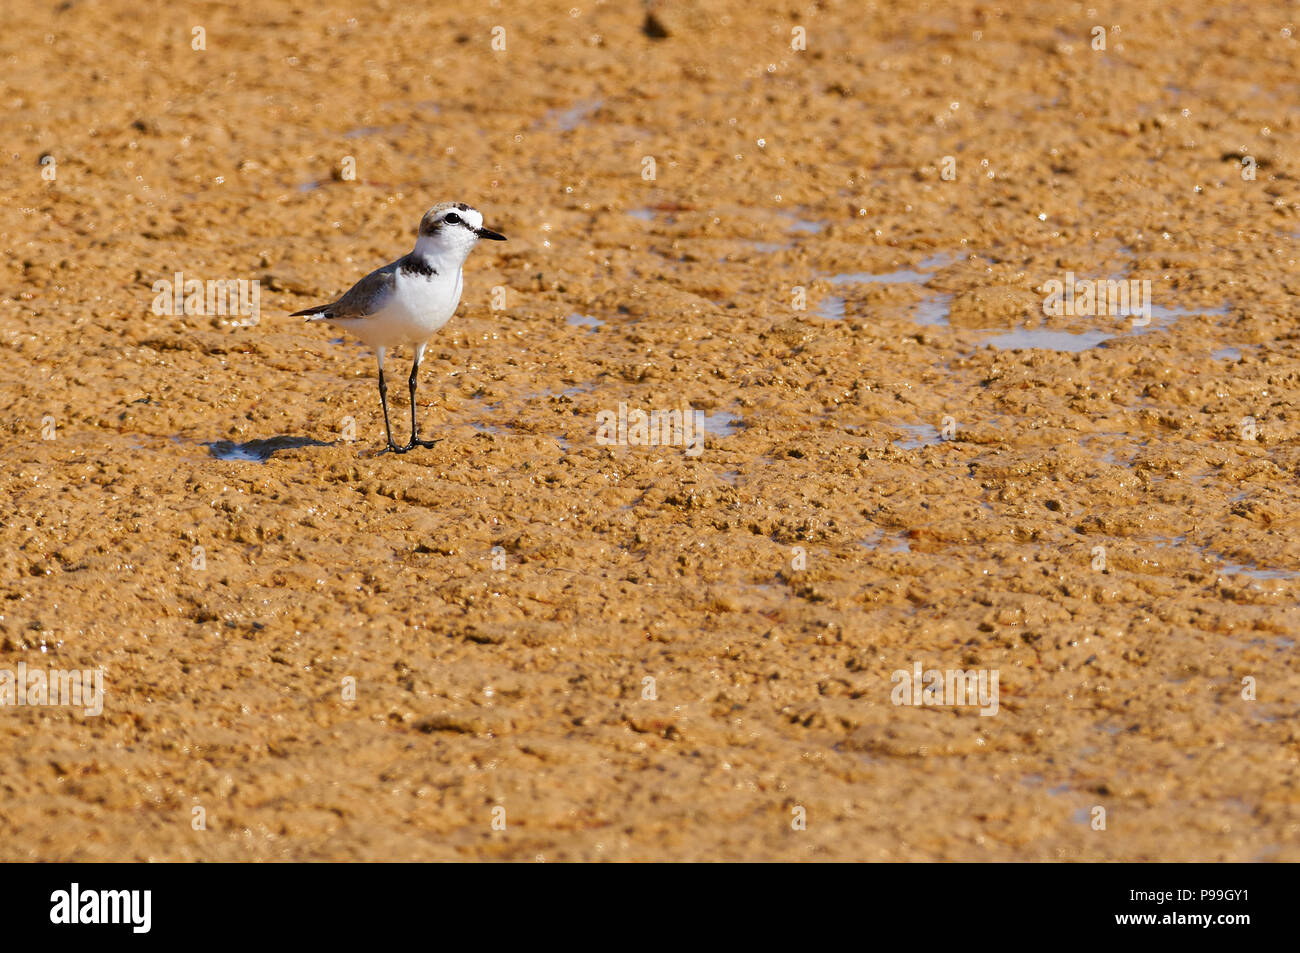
(332, 654)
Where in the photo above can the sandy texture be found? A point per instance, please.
(520, 684)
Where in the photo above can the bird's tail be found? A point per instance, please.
(318, 313)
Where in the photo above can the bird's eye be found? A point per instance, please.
(452, 218)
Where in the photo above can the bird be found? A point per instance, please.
(407, 300)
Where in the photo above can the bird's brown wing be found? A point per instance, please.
(366, 297)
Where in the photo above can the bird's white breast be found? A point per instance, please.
(418, 307)
(428, 301)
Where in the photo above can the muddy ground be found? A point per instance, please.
(833, 242)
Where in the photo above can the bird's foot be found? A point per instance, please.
(415, 442)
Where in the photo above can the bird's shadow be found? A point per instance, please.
(259, 451)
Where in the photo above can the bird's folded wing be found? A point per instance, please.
(367, 296)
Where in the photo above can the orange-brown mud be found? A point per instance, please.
(917, 467)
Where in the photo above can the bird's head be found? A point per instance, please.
(454, 228)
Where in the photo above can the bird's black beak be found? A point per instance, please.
(488, 233)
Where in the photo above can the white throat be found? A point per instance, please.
(446, 257)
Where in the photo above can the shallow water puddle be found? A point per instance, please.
(872, 541)
(931, 311)
(1162, 317)
(831, 308)
(900, 542)
(749, 247)
(923, 435)
(903, 276)
(566, 392)
(1046, 339)
(1226, 567)
(804, 226)
(566, 120)
(1244, 569)
(720, 424)
(934, 310)
(361, 132)
(766, 248)
(1126, 442)
(584, 321)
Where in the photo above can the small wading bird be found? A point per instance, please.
(406, 301)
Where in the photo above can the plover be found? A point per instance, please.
(407, 300)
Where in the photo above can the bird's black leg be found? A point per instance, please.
(415, 428)
(383, 402)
